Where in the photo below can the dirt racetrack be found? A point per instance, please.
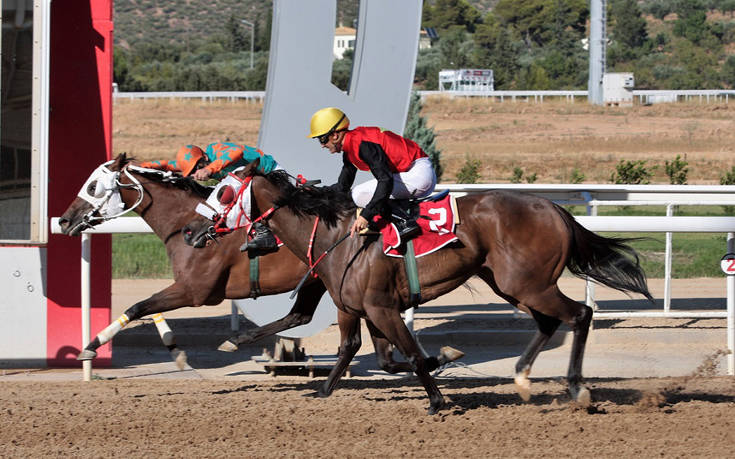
(671, 417)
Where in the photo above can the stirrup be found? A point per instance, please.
(407, 228)
(267, 243)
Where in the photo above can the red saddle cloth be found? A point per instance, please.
(437, 228)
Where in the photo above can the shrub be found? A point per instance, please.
(728, 179)
(418, 131)
(469, 172)
(632, 172)
(577, 176)
(517, 176)
(677, 171)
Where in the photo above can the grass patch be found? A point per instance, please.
(139, 256)
(136, 256)
(693, 254)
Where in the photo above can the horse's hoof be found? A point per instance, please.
(322, 393)
(523, 386)
(449, 354)
(435, 408)
(179, 357)
(582, 396)
(86, 355)
(227, 346)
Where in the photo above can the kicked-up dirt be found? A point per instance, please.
(668, 417)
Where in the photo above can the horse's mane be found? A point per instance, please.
(327, 204)
(183, 183)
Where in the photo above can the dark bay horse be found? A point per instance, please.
(202, 276)
(518, 244)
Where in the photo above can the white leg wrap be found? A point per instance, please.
(112, 329)
(167, 336)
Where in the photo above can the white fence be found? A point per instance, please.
(644, 96)
(574, 194)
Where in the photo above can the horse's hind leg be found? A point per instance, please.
(581, 327)
(349, 331)
(548, 310)
(172, 297)
(546, 328)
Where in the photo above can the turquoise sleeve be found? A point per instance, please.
(267, 163)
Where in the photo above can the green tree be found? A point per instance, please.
(692, 20)
(539, 22)
(418, 131)
(659, 8)
(629, 27)
(444, 14)
(494, 49)
(342, 70)
(728, 71)
(235, 38)
(428, 65)
(455, 49)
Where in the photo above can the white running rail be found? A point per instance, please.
(622, 224)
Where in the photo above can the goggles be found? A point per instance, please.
(324, 138)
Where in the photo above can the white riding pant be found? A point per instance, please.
(417, 182)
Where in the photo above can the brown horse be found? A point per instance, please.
(518, 244)
(203, 276)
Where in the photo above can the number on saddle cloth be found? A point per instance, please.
(403, 209)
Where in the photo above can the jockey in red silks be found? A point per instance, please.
(216, 161)
(401, 168)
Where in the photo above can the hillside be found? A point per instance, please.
(182, 20)
(191, 20)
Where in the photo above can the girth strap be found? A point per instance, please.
(254, 276)
(412, 272)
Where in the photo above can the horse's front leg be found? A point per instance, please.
(384, 353)
(301, 313)
(389, 322)
(350, 342)
(172, 297)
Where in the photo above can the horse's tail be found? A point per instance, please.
(609, 261)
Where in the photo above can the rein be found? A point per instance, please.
(99, 206)
(220, 226)
(312, 266)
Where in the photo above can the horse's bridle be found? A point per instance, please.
(105, 193)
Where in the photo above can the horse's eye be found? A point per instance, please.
(226, 195)
(92, 188)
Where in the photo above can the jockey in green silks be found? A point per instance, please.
(216, 161)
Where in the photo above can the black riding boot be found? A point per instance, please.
(405, 223)
(263, 240)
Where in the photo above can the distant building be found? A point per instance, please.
(424, 40)
(466, 80)
(344, 39)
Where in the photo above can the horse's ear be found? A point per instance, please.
(249, 169)
(120, 160)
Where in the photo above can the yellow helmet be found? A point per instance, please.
(328, 120)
